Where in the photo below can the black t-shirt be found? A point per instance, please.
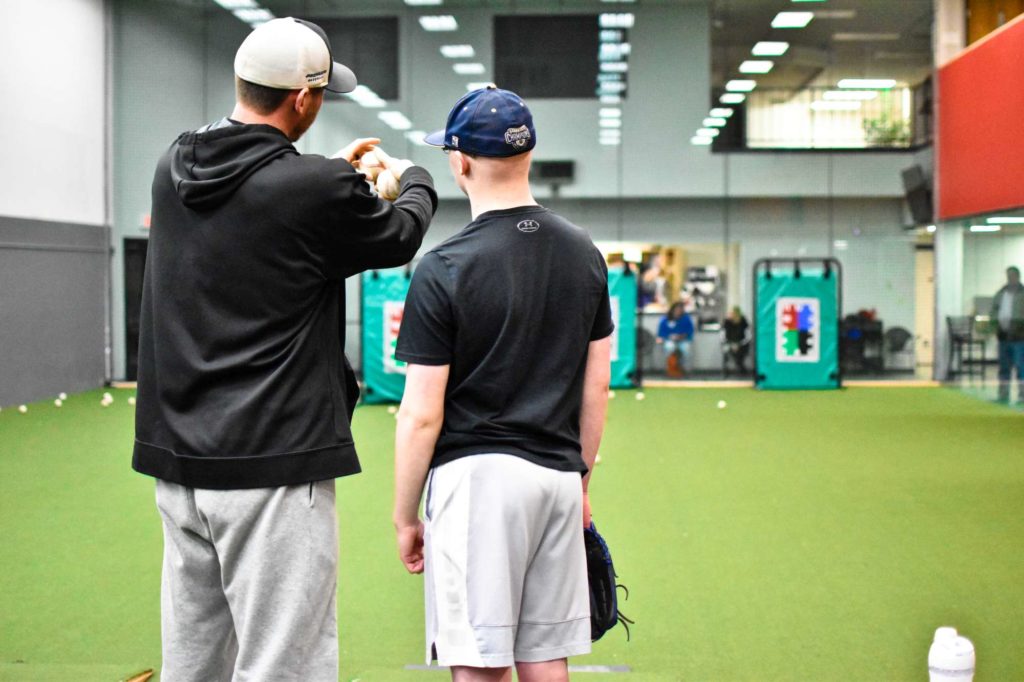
(511, 303)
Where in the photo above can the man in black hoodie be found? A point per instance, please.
(245, 395)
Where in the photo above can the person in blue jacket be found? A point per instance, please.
(675, 331)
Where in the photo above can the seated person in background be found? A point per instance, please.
(1008, 312)
(736, 331)
(675, 331)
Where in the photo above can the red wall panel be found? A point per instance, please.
(980, 147)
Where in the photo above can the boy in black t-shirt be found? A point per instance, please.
(507, 334)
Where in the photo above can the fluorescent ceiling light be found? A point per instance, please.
(792, 19)
(835, 106)
(1005, 220)
(610, 132)
(257, 15)
(423, 3)
(701, 140)
(478, 85)
(714, 122)
(867, 83)
(611, 36)
(609, 141)
(611, 87)
(619, 20)
(849, 95)
(864, 37)
(986, 228)
(366, 97)
(930, 228)
(614, 67)
(458, 51)
(721, 112)
(732, 98)
(756, 66)
(740, 85)
(395, 119)
(610, 123)
(439, 22)
(610, 112)
(770, 48)
(236, 4)
(611, 52)
(416, 137)
(708, 132)
(468, 68)
(610, 99)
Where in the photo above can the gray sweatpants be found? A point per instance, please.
(249, 584)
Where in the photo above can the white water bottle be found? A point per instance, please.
(951, 658)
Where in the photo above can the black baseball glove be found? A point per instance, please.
(604, 603)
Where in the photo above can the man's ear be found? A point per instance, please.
(464, 164)
(303, 98)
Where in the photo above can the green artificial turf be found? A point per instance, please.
(789, 536)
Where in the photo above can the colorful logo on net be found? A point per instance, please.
(798, 329)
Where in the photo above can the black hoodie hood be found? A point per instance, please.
(208, 165)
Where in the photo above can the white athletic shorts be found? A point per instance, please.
(505, 574)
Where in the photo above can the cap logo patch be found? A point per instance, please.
(518, 137)
(316, 77)
(528, 226)
(455, 141)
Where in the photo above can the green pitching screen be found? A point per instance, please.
(383, 304)
(384, 294)
(622, 290)
(797, 305)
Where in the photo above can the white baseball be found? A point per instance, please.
(387, 186)
(370, 166)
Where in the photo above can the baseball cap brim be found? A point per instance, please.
(342, 79)
(435, 139)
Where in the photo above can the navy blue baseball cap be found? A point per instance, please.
(488, 122)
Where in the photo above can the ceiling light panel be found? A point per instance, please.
(424, 3)
(458, 51)
(732, 98)
(618, 20)
(236, 4)
(714, 122)
(756, 66)
(740, 85)
(468, 68)
(439, 22)
(792, 19)
(395, 119)
(770, 48)
(701, 141)
(721, 112)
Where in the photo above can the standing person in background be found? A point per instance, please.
(736, 333)
(245, 395)
(507, 332)
(1008, 313)
(675, 332)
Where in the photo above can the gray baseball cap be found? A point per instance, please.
(291, 54)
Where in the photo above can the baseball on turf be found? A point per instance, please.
(721, 404)
(58, 402)
(387, 186)
(23, 408)
(640, 395)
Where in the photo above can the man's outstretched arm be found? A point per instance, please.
(596, 378)
(419, 423)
